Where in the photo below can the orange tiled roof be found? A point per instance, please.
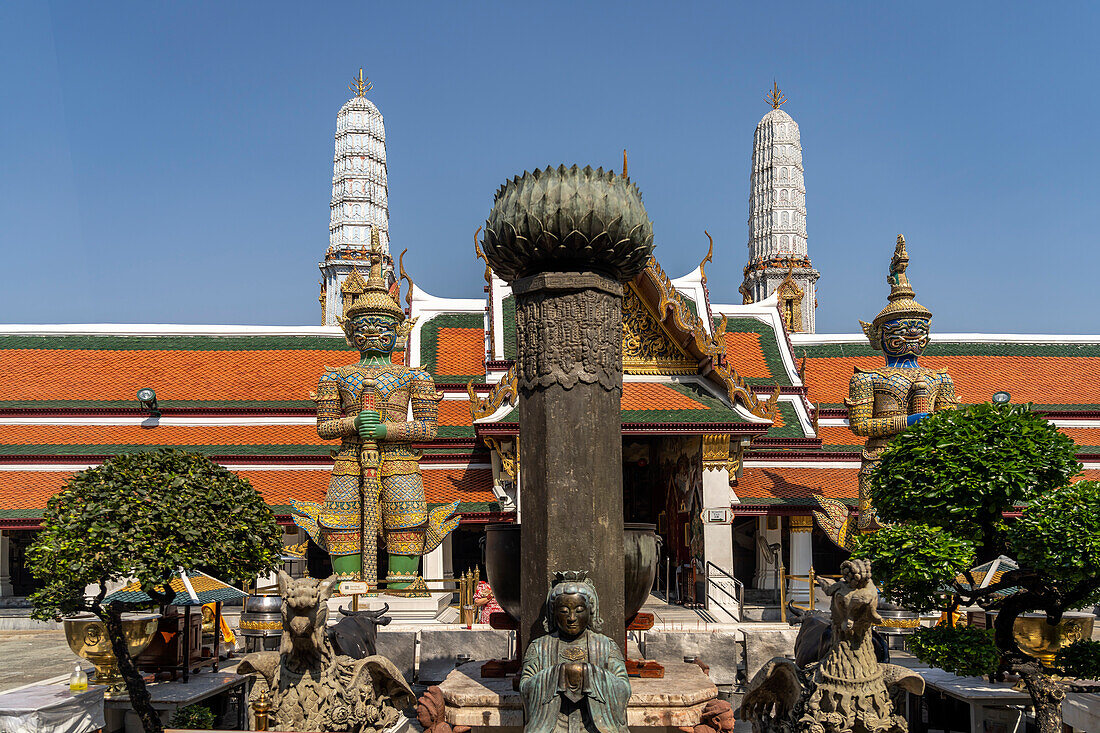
(454, 412)
(466, 485)
(790, 484)
(650, 396)
(461, 351)
(769, 485)
(29, 490)
(160, 435)
(840, 435)
(268, 375)
(744, 352)
(1046, 380)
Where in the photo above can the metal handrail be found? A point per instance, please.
(738, 596)
(811, 579)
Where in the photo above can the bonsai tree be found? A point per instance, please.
(144, 516)
(946, 485)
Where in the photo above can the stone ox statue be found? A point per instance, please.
(312, 688)
(356, 635)
(848, 690)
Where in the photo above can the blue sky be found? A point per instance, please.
(172, 162)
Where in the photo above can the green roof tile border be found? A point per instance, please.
(508, 323)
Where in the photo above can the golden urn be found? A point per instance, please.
(1039, 639)
(87, 637)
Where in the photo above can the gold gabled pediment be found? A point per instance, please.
(647, 347)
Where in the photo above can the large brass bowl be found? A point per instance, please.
(1039, 639)
(87, 637)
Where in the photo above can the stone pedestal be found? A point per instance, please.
(492, 705)
(403, 610)
(569, 334)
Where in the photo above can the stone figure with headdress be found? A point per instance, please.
(573, 679)
(847, 690)
(376, 488)
(884, 401)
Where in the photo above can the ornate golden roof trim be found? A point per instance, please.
(709, 346)
(506, 389)
(648, 347)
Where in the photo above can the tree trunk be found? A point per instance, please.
(1046, 694)
(135, 685)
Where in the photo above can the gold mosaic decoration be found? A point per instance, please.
(790, 299)
(647, 348)
(259, 625)
(716, 451)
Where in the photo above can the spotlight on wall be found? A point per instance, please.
(148, 399)
(1001, 398)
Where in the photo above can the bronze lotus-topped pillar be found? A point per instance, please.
(566, 240)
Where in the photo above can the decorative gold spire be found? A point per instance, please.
(775, 97)
(371, 296)
(360, 85)
(897, 279)
(902, 303)
(625, 173)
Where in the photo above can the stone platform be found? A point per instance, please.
(663, 704)
(433, 609)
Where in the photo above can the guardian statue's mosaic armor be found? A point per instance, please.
(376, 487)
(883, 402)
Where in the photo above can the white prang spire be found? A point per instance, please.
(359, 196)
(778, 255)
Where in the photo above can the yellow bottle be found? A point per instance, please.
(78, 681)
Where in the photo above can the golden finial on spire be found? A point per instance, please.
(360, 85)
(775, 96)
(625, 174)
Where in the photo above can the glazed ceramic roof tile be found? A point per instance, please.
(797, 485)
(1048, 375)
(275, 372)
(758, 360)
(650, 396)
(747, 355)
(452, 347)
(207, 590)
(25, 492)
